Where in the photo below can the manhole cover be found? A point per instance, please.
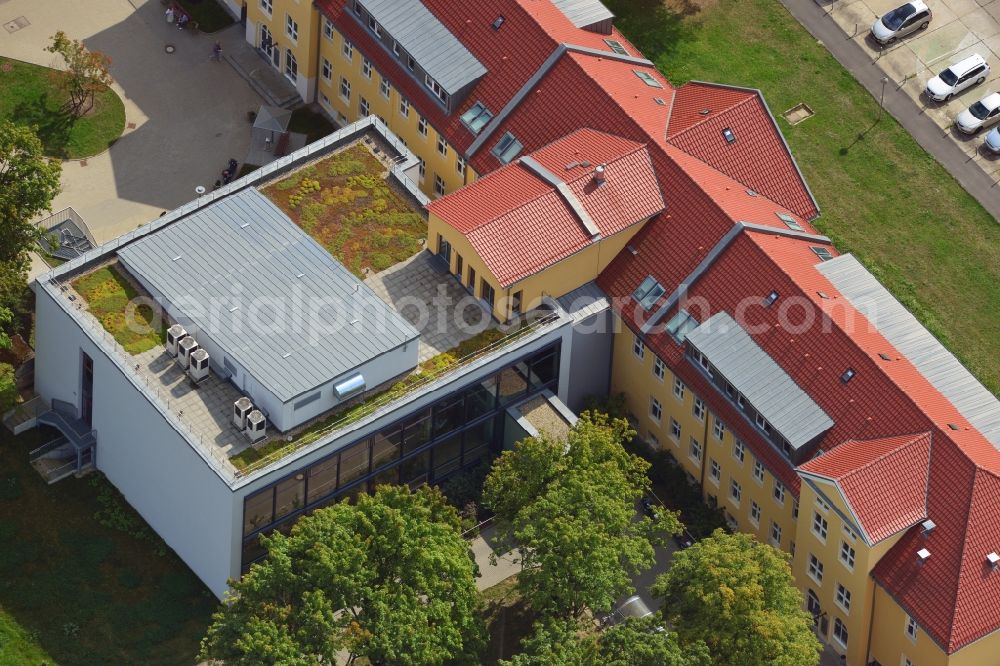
(16, 24)
(169, 48)
(797, 113)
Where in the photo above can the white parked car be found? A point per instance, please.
(992, 141)
(901, 21)
(963, 74)
(982, 114)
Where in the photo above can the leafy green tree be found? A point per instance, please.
(87, 71)
(571, 508)
(389, 578)
(736, 595)
(6, 319)
(635, 642)
(8, 387)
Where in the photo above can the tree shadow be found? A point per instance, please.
(53, 123)
(655, 28)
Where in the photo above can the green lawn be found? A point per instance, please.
(209, 14)
(76, 591)
(108, 295)
(33, 95)
(882, 197)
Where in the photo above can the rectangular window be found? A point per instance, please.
(327, 70)
(476, 117)
(815, 568)
(404, 107)
(366, 68)
(844, 598)
(291, 28)
(675, 430)
(762, 423)
(648, 292)
(795, 508)
(438, 185)
(384, 87)
(435, 88)
(775, 534)
(739, 450)
(328, 28)
(638, 348)
(755, 514)
(699, 409)
(735, 491)
(911, 628)
(779, 492)
(267, 6)
(374, 26)
(647, 78)
(472, 280)
(348, 50)
(422, 169)
(847, 555)
(715, 471)
(840, 632)
(422, 126)
(659, 368)
(823, 253)
(680, 325)
(616, 46)
(363, 108)
(460, 166)
(345, 89)
(695, 449)
(486, 292)
(507, 148)
(515, 302)
(719, 430)
(758, 471)
(819, 526)
(442, 146)
(655, 409)
(678, 389)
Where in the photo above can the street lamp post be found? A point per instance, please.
(881, 99)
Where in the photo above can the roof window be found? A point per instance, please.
(848, 375)
(648, 78)
(771, 298)
(823, 253)
(507, 148)
(790, 221)
(498, 22)
(681, 324)
(648, 292)
(476, 117)
(660, 101)
(616, 46)
(727, 133)
(884, 356)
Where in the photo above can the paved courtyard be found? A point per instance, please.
(432, 300)
(185, 114)
(958, 29)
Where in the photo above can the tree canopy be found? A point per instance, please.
(88, 71)
(635, 642)
(571, 508)
(736, 595)
(389, 578)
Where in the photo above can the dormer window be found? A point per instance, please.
(476, 117)
(436, 88)
(374, 26)
(357, 8)
(507, 148)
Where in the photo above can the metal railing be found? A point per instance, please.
(386, 401)
(53, 444)
(26, 411)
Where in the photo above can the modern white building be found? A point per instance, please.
(224, 268)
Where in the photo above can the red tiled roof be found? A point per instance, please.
(519, 224)
(883, 480)
(758, 157)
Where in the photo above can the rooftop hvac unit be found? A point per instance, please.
(241, 408)
(185, 348)
(175, 334)
(256, 426)
(198, 370)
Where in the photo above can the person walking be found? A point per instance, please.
(217, 51)
(170, 14)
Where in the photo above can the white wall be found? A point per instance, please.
(153, 466)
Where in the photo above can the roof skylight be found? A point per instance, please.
(507, 148)
(648, 78)
(790, 222)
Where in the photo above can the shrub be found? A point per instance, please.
(8, 387)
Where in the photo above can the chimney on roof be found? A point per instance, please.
(994, 560)
(923, 555)
(927, 527)
(599, 176)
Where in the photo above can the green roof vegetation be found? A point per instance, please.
(35, 95)
(884, 199)
(108, 294)
(346, 204)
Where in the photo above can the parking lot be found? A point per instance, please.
(958, 29)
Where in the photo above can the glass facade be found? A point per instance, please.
(426, 446)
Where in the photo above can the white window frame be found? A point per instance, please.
(820, 527)
(460, 166)
(715, 472)
(364, 108)
(842, 597)
(655, 409)
(327, 70)
(675, 430)
(638, 347)
(815, 569)
(775, 534)
(735, 491)
(719, 429)
(842, 642)
(695, 450)
(779, 492)
(384, 87)
(847, 555)
(699, 409)
(328, 28)
(439, 185)
(291, 28)
(739, 450)
(345, 89)
(442, 146)
(404, 107)
(268, 7)
(659, 368)
(911, 629)
(347, 49)
(422, 169)
(758, 471)
(422, 127)
(366, 68)
(678, 389)
(755, 513)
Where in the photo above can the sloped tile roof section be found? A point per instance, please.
(763, 382)
(583, 13)
(753, 151)
(424, 37)
(229, 269)
(883, 480)
(907, 335)
(520, 222)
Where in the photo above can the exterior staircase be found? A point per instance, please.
(72, 452)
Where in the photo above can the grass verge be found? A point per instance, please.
(82, 590)
(34, 95)
(884, 199)
(348, 207)
(109, 298)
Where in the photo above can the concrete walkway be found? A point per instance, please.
(923, 128)
(507, 564)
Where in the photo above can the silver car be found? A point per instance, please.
(901, 21)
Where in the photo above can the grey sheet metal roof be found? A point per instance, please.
(584, 12)
(584, 301)
(291, 328)
(916, 343)
(424, 37)
(760, 379)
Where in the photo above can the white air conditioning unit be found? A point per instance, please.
(256, 426)
(185, 348)
(241, 408)
(198, 370)
(175, 334)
